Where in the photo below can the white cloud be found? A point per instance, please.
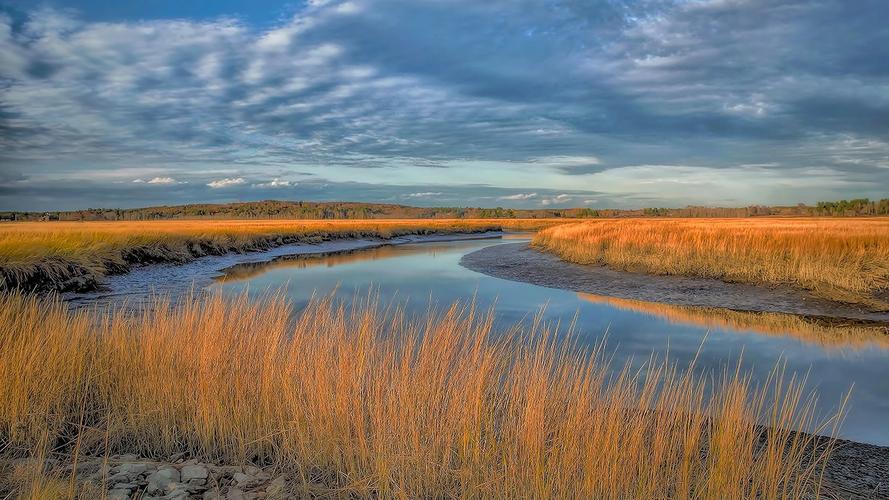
(275, 183)
(555, 200)
(162, 180)
(568, 160)
(519, 196)
(159, 180)
(227, 182)
(427, 194)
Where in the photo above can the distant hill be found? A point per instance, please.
(274, 209)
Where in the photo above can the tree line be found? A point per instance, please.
(274, 209)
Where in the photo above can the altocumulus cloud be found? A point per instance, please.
(227, 182)
(616, 99)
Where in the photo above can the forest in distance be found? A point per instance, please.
(276, 209)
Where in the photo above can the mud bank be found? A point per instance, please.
(175, 279)
(70, 275)
(518, 262)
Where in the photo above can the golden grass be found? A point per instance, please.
(836, 335)
(839, 259)
(37, 253)
(371, 402)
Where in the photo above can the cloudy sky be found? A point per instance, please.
(520, 103)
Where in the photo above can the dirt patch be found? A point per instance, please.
(518, 262)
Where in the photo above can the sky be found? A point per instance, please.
(513, 103)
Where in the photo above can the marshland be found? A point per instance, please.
(621, 249)
(294, 358)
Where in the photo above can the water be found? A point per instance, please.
(430, 272)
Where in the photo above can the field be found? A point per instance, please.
(839, 259)
(359, 400)
(75, 255)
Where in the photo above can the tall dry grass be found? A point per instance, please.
(66, 255)
(370, 402)
(845, 260)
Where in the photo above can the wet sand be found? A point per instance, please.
(518, 262)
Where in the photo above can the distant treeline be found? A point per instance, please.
(349, 210)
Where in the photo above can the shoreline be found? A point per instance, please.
(175, 279)
(855, 470)
(520, 262)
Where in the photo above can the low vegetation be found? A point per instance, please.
(276, 209)
(845, 260)
(75, 255)
(366, 401)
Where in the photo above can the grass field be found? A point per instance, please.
(68, 255)
(839, 259)
(370, 402)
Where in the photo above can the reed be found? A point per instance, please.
(368, 401)
(845, 260)
(75, 255)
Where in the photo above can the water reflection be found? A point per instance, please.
(823, 331)
(249, 270)
(420, 274)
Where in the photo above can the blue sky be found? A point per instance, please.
(544, 103)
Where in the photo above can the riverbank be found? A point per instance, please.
(141, 285)
(783, 309)
(76, 257)
(838, 260)
(854, 470)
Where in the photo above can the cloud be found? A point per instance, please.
(274, 183)
(162, 180)
(560, 199)
(158, 180)
(425, 194)
(570, 95)
(227, 182)
(519, 196)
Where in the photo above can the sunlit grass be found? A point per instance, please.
(41, 253)
(840, 259)
(372, 402)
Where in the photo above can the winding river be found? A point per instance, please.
(431, 272)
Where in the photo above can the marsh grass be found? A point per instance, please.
(369, 401)
(839, 259)
(67, 255)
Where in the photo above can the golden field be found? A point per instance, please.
(839, 259)
(366, 401)
(48, 255)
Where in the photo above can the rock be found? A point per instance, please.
(212, 495)
(125, 486)
(163, 480)
(251, 470)
(275, 489)
(117, 494)
(132, 469)
(242, 479)
(195, 472)
(120, 477)
(236, 494)
(177, 494)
